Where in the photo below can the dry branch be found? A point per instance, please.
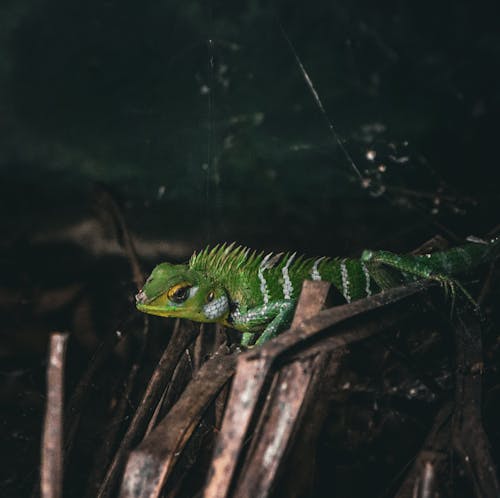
(109, 204)
(83, 389)
(252, 373)
(468, 436)
(284, 403)
(114, 426)
(152, 461)
(139, 424)
(431, 460)
(52, 455)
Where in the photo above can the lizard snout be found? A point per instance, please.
(141, 298)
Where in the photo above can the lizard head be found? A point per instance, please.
(177, 291)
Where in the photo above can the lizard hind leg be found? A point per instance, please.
(465, 292)
(450, 286)
(419, 267)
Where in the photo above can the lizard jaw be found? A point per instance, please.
(157, 310)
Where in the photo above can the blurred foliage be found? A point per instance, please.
(202, 104)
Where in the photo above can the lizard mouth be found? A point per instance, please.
(157, 305)
(157, 310)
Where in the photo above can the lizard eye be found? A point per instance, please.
(179, 293)
(210, 296)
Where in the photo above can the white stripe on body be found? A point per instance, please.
(263, 284)
(366, 273)
(314, 271)
(287, 283)
(345, 281)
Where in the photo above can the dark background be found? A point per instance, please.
(197, 118)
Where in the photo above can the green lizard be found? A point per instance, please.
(257, 294)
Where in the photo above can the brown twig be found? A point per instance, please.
(463, 199)
(468, 436)
(431, 459)
(308, 429)
(181, 338)
(427, 482)
(279, 420)
(111, 205)
(51, 472)
(286, 399)
(115, 424)
(112, 432)
(152, 461)
(81, 392)
(488, 284)
(310, 328)
(494, 231)
(83, 388)
(126, 239)
(437, 243)
(253, 370)
(183, 373)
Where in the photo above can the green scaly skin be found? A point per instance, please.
(256, 294)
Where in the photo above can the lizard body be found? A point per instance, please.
(256, 293)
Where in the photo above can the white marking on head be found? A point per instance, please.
(345, 281)
(366, 273)
(287, 283)
(314, 271)
(216, 308)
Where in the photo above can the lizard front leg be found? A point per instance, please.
(279, 322)
(273, 316)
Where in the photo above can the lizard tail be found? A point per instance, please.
(467, 257)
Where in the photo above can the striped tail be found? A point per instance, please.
(465, 258)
